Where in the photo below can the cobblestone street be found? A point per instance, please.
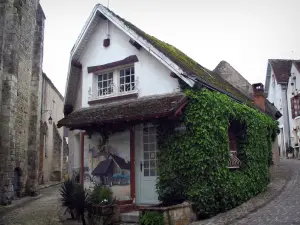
(43, 211)
(284, 209)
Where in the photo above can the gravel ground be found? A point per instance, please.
(43, 211)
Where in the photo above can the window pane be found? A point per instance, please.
(146, 164)
(100, 85)
(105, 76)
(122, 80)
(127, 79)
(127, 71)
(152, 164)
(152, 138)
(110, 76)
(145, 139)
(104, 83)
(146, 147)
(121, 73)
(132, 70)
(122, 88)
(152, 172)
(100, 78)
(146, 155)
(127, 87)
(152, 155)
(132, 78)
(151, 147)
(146, 172)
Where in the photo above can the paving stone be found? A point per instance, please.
(284, 209)
(43, 211)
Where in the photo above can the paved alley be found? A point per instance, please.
(43, 211)
(284, 209)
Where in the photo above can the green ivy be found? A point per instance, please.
(194, 164)
(152, 218)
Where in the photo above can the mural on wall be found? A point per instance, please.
(108, 163)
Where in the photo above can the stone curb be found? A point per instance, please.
(50, 185)
(267, 201)
(251, 205)
(25, 200)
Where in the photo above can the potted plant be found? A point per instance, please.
(104, 206)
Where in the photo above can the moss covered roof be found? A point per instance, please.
(190, 66)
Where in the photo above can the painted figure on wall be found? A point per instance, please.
(110, 166)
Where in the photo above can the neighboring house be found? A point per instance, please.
(238, 81)
(51, 138)
(293, 104)
(277, 78)
(122, 82)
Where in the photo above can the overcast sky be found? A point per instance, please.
(244, 33)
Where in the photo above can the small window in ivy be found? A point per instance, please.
(232, 134)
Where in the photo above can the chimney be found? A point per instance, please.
(258, 95)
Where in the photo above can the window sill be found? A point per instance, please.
(111, 98)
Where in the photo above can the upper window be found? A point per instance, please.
(127, 81)
(105, 84)
(295, 106)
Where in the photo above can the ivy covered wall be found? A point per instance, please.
(194, 164)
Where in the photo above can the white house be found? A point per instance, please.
(293, 95)
(121, 83)
(278, 73)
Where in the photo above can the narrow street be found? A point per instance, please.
(43, 211)
(284, 209)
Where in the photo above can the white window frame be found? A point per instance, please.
(109, 88)
(116, 83)
(125, 84)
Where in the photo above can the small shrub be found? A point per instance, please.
(152, 218)
(101, 195)
(67, 193)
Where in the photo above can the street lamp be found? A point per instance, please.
(50, 118)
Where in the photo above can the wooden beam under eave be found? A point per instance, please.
(132, 163)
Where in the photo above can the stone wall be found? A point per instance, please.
(56, 159)
(65, 158)
(19, 109)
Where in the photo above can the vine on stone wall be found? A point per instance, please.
(194, 164)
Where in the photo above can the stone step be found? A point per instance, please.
(130, 217)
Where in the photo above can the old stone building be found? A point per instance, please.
(21, 56)
(51, 154)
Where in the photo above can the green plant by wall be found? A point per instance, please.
(101, 195)
(152, 218)
(194, 164)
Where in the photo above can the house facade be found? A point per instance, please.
(276, 85)
(121, 84)
(293, 105)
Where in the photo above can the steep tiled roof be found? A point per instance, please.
(129, 110)
(190, 66)
(297, 64)
(282, 69)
